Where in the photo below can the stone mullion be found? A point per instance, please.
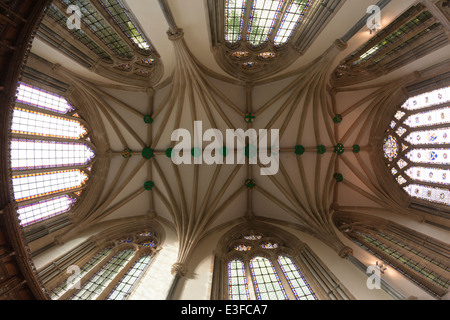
(250, 283)
(61, 8)
(53, 169)
(245, 23)
(284, 282)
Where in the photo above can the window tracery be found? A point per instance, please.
(412, 35)
(258, 264)
(416, 146)
(255, 35)
(49, 154)
(112, 42)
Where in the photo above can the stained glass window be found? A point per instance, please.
(424, 138)
(44, 209)
(119, 14)
(390, 148)
(64, 287)
(95, 286)
(95, 22)
(45, 141)
(124, 286)
(266, 281)
(234, 18)
(262, 19)
(35, 154)
(36, 97)
(292, 17)
(237, 281)
(297, 282)
(30, 186)
(45, 125)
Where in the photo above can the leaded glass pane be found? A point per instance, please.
(432, 156)
(432, 175)
(428, 99)
(390, 148)
(45, 125)
(78, 33)
(30, 186)
(291, 19)
(429, 118)
(234, 18)
(266, 281)
(65, 286)
(34, 154)
(297, 282)
(436, 136)
(95, 286)
(94, 21)
(124, 286)
(116, 10)
(36, 97)
(262, 18)
(437, 195)
(44, 209)
(237, 281)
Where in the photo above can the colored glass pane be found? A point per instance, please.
(429, 118)
(95, 286)
(30, 186)
(234, 18)
(428, 99)
(390, 148)
(44, 209)
(269, 245)
(95, 22)
(432, 175)
(121, 291)
(436, 156)
(262, 18)
(39, 98)
(242, 247)
(266, 281)
(297, 282)
(29, 154)
(433, 194)
(117, 11)
(292, 17)
(237, 281)
(436, 136)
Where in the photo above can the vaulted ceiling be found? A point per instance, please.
(297, 100)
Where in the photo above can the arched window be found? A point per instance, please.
(109, 40)
(51, 154)
(420, 258)
(258, 268)
(113, 273)
(416, 146)
(255, 35)
(414, 34)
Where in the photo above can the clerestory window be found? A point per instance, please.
(51, 154)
